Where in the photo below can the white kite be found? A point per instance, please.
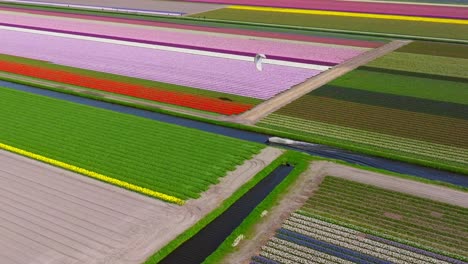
(259, 60)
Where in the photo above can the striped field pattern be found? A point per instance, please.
(153, 158)
(405, 110)
(203, 72)
(349, 222)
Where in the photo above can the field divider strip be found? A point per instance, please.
(253, 115)
(167, 48)
(351, 14)
(93, 174)
(99, 8)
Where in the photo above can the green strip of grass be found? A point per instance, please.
(406, 103)
(429, 64)
(162, 157)
(436, 49)
(290, 157)
(300, 162)
(285, 134)
(125, 79)
(412, 28)
(432, 89)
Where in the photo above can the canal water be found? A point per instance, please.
(313, 149)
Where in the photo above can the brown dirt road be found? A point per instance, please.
(50, 215)
(309, 182)
(282, 99)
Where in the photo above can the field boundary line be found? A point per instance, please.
(351, 14)
(253, 115)
(388, 182)
(93, 174)
(139, 44)
(407, 3)
(307, 185)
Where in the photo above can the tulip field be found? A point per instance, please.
(234, 131)
(408, 20)
(410, 104)
(185, 67)
(163, 160)
(349, 222)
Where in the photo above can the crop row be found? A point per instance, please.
(378, 209)
(440, 49)
(161, 157)
(388, 226)
(269, 47)
(305, 239)
(436, 67)
(398, 84)
(406, 9)
(359, 137)
(352, 239)
(198, 71)
(187, 100)
(362, 24)
(406, 103)
(413, 204)
(412, 125)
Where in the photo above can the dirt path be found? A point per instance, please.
(308, 183)
(49, 215)
(429, 191)
(254, 115)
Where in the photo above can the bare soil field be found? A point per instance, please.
(309, 182)
(49, 215)
(153, 5)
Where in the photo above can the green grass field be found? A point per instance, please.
(429, 223)
(166, 158)
(406, 85)
(411, 28)
(421, 63)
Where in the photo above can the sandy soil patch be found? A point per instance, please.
(437, 214)
(309, 181)
(49, 215)
(393, 216)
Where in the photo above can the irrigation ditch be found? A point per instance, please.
(207, 240)
(313, 149)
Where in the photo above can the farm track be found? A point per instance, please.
(307, 185)
(49, 215)
(254, 115)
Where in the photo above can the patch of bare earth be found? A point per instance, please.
(437, 214)
(309, 182)
(50, 215)
(393, 216)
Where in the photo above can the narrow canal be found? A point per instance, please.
(313, 149)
